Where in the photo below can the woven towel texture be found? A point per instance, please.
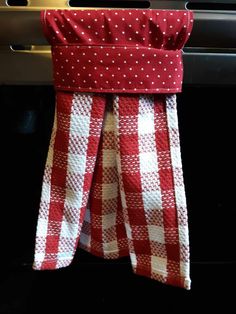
(113, 183)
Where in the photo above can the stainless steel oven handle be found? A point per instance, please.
(211, 29)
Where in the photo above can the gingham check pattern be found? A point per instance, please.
(136, 204)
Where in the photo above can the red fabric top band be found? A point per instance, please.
(122, 51)
(117, 69)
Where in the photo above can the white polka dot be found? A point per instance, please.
(101, 75)
(147, 75)
(118, 82)
(141, 83)
(130, 69)
(72, 67)
(152, 83)
(174, 83)
(95, 68)
(164, 69)
(153, 69)
(124, 75)
(113, 75)
(136, 75)
(130, 83)
(118, 69)
(158, 76)
(163, 83)
(84, 67)
(164, 20)
(159, 62)
(142, 69)
(89, 74)
(67, 60)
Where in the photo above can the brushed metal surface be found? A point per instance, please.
(210, 57)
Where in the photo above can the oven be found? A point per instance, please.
(206, 121)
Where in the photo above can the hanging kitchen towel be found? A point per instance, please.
(113, 181)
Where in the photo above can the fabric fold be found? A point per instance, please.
(113, 182)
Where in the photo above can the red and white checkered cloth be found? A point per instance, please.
(113, 181)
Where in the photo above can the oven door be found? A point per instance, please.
(206, 122)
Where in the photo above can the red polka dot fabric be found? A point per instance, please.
(121, 51)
